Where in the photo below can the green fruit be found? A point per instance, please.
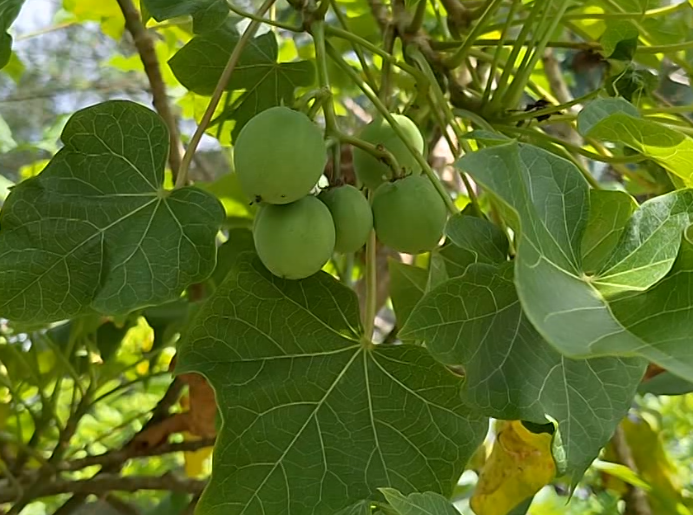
(372, 172)
(279, 156)
(294, 240)
(409, 215)
(352, 215)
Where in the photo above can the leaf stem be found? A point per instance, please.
(370, 79)
(395, 127)
(386, 70)
(182, 178)
(573, 148)
(502, 84)
(461, 54)
(514, 93)
(317, 29)
(419, 16)
(343, 34)
(274, 23)
(371, 284)
(499, 49)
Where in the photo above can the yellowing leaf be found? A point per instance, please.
(106, 13)
(32, 169)
(520, 464)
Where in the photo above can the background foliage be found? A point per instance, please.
(562, 132)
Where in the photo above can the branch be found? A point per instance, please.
(636, 499)
(145, 47)
(120, 456)
(108, 483)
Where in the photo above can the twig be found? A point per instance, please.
(636, 499)
(145, 47)
(109, 483)
(159, 413)
(122, 455)
(235, 56)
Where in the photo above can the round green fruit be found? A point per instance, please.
(295, 240)
(372, 172)
(409, 215)
(279, 156)
(352, 215)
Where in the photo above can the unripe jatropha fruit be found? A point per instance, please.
(409, 215)
(279, 156)
(371, 171)
(294, 240)
(352, 215)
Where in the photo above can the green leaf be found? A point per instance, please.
(308, 408)
(427, 503)
(5, 185)
(575, 312)
(9, 10)
(666, 383)
(609, 212)
(207, 14)
(360, 508)
(95, 230)
(672, 149)
(662, 317)
(407, 286)
(476, 321)
(620, 40)
(483, 239)
(602, 109)
(240, 240)
(266, 83)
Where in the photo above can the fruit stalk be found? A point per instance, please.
(395, 127)
(249, 32)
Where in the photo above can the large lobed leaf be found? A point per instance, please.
(265, 82)
(636, 303)
(9, 10)
(476, 321)
(314, 419)
(206, 14)
(96, 230)
(617, 120)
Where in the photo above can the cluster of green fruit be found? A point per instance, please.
(279, 157)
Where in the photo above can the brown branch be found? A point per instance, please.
(635, 498)
(122, 455)
(145, 47)
(159, 413)
(108, 483)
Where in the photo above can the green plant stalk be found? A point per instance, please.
(459, 57)
(396, 128)
(371, 285)
(440, 105)
(380, 154)
(514, 93)
(274, 23)
(343, 34)
(337, 162)
(386, 71)
(499, 50)
(502, 84)
(651, 13)
(249, 32)
(370, 79)
(573, 148)
(418, 19)
(554, 108)
(317, 29)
